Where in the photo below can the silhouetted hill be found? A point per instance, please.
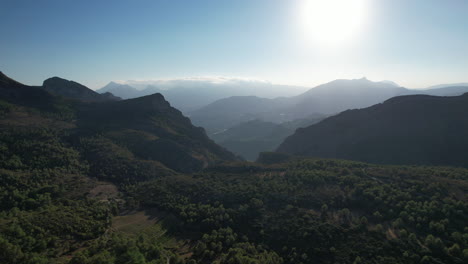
(326, 99)
(415, 129)
(74, 90)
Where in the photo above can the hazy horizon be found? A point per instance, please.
(141, 84)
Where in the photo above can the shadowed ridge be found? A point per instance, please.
(30, 96)
(414, 129)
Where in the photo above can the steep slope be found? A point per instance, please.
(152, 129)
(415, 129)
(74, 90)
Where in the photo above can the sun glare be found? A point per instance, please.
(332, 21)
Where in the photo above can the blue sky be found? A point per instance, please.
(415, 43)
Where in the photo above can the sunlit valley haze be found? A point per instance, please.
(233, 131)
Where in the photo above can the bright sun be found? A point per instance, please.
(333, 21)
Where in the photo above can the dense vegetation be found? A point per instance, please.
(321, 211)
(43, 209)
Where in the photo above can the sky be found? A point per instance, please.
(416, 43)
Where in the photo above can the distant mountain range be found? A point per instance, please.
(193, 93)
(327, 99)
(444, 91)
(414, 129)
(446, 85)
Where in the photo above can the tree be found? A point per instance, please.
(357, 260)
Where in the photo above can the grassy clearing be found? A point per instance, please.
(150, 222)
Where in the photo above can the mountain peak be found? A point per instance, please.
(124, 91)
(53, 81)
(114, 84)
(153, 101)
(390, 82)
(56, 78)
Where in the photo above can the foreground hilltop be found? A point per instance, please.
(148, 127)
(414, 129)
(74, 90)
(151, 129)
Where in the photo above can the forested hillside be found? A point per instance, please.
(318, 211)
(60, 165)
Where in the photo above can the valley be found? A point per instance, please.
(133, 181)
